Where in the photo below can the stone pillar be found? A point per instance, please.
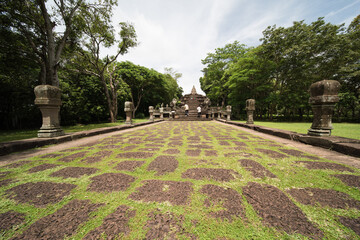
(161, 112)
(212, 113)
(250, 108)
(323, 96)
(151, 111)
(128, 111)
(219, 113)
(48, 99)
(228, 112)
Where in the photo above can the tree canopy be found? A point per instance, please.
(279, 72)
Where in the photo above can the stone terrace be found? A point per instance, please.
(187, 180)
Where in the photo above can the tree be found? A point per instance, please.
(33, 20)
(249, 78)
(147, 86)
(214, 79)
(173, 89)
(99, 33)
(303, 54)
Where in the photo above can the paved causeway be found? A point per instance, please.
(180, 180)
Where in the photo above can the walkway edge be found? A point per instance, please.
(343, 145)
(21, 145)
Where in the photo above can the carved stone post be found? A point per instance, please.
(161, 113)
(219, 113)
(323, 96)
(212, 113)
(250, 108)
(151, 111)
(228, 112)
(128, 110)
(48, 99)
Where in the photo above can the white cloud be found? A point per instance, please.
(179, 33)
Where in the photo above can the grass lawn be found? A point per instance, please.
(178, 180)
(348, 130)
(6, 136)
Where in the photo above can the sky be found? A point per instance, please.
(180, 33)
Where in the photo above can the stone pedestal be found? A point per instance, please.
(219, 113)
(323, 96)
(250, 108)
(161, 113)
(48, 99)
(228, 112)
(151, 112)
(128, 111)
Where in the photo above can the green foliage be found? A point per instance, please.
(279, 72)
(147, 87)
(214, 79)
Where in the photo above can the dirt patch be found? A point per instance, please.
(4, 174)
(153, 145)
(40, 194)
(176, 193)
(293, 152)
(163, 165)
(224, 143)
(129, 165)
(61, 224)
(325, 165)
(6, 182)
(217, 174)
(72, 157)
(350, 180)
(201, 146)
(324, 197)
(97, 157)
(229, 198)
(353, 223)
(256, 169)
(210, 153)
(240, 144)
(193, 153)
(282, 213)
(165, 226)
(73, 172)
(109, 182)
(53, 155)
(243, 137)
(114, 224)
(175, 143)
(129, 148)
(17, 164)
(241, 154)
(271, 153)
(135, 155)
(10, 219)
(172, 151)
(149, 149)
(194, 138)
(42, 167)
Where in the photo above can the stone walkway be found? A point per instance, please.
(188, 180)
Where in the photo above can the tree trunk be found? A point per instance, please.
(108, 99)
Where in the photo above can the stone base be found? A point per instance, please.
(319, 132)
(50, 133)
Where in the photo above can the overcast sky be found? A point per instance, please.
(179, 33)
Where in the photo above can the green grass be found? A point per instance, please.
(194, 218)
(11, 135)
(348, 130)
